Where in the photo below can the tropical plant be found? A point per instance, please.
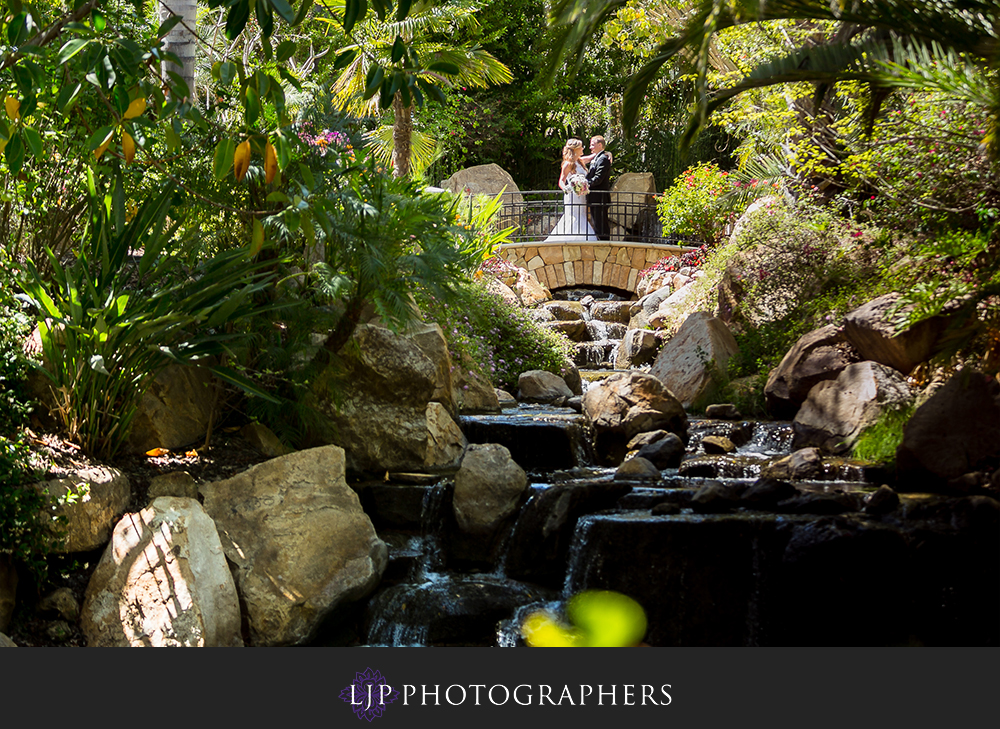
(123, 310)
(398, 46)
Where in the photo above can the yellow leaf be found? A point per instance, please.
(135, 108)
(102, 149)
(13, 106)
(157, 452)
(257, 238)
(241, 160)
(128, 147)
(270, 163)
(191, 454)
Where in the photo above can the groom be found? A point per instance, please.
(599, 180)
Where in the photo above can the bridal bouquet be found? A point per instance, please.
(579, 184)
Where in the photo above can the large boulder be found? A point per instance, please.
(380, 418)
(871, 330)
(820, 355)
(90, 500)
(630, 193)
(163, 581)
(638, 347)
(175, 410)
(836, 411)
(957, 431)
(488, 487)
(624, 405)
(474, 393)
(539, 386)
(488, 179)
(695, 358)
(300, 544)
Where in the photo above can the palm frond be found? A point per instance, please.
(423, 148)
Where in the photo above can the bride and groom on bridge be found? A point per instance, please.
(585, 182)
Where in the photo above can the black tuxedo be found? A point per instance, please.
(599, 180)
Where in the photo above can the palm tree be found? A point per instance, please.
(181, 39)
(378, 48)
(884, 43)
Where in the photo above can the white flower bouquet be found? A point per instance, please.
(578, 183)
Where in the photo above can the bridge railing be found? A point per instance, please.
(632, 217)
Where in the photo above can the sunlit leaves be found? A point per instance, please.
(13, 107)
(241, 160)
(128, 147)
(135, 108)
(599, 618)
(225, 152)
(270, 163)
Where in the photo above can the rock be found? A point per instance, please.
(263, 440)
(571, 375)
(573, 330)
(693, 361)
(722, 411)
(638, 347)
(820, 355)
(474, 394)
(819, 504)
(58, 631)
(630, 191)
(490, 179)
(8, 590)
(715, 497)
(644, 439)
(836, 411)
(565, 310)
(505, 292)
(175, 409)
(6, 642)
(717, 444)
(445, 441)
(667, 311)
(380, 419)
(882, 501)
(488, 487)
(649, 303)
(163, 581)
(957, 431)
(60, 602)
(665, 452)
(176, 483)
(666, 508)
(300, 544)
(539, 386)
(616, 312)
(765, 493)
(505, 399)
(802, 464)
(540, 315)
(624, 405)
(637, 468)
(530, 290)
(871, 331)
(541, 538)
(91, 500)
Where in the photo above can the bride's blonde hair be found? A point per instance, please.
(568, 151)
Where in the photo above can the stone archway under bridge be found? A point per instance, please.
(585, 263)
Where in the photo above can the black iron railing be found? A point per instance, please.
(632, 217)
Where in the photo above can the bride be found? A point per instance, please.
(573, 223)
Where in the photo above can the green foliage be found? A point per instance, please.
(694, 204)
(109, 323)
(878, 442)
(24, 532)
(498, 338)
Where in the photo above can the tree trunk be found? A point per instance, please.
(181, 40)
(402, 132)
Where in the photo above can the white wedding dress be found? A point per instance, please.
(573, 225)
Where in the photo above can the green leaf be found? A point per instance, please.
(398, 49)
(344, 59)
(237, 19)
(307, 176)
(227, 72)
(66, 95)
(265, 19)
(289, 78)
(284, 10)
(14, 153)
(99, 137)
(443, 67)
(286, 49)
(431, 90)
(402, 10)
(283, 150)
(373, 80)
(223, 161)
(303, 9)
(353, 12)
(279, 197)
(99, 21)
(34, 140)
(252, 106)
(168, 25)
(257, 237)
(17, 29)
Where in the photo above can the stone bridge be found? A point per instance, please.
(583, 263)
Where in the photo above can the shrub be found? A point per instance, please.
(694, 204)
(499, 339)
